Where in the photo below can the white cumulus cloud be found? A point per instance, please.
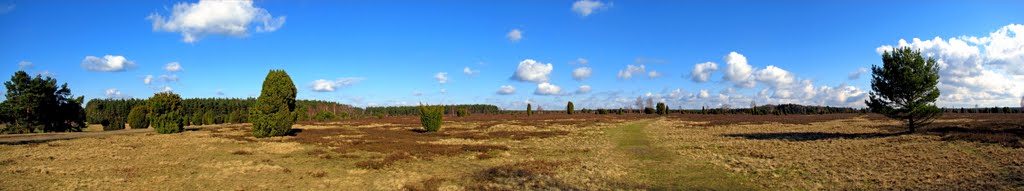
(631, 70)
(441, 77)
(547, 89)
(213, 17)
(109, 63)
(506, 90)
(581, 73)
(173, 67)
(774, 76)
(148, 79)
(113, 93)
(586, 7)
(530, 70)
(515, 35)
(323, 85)
(738, 71)
(702, 71)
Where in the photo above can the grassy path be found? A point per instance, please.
(661, 169)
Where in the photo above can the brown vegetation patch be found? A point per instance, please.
(1008, 135)
(529, 175)
(396, 143)
(429, 184)
(734, 119)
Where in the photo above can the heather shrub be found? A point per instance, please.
(273, 113)
(165, 110)
(430, 117)
(137, 117)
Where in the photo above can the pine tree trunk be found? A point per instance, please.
(911, 125)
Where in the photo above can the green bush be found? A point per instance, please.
(197, 118)
(430, 117)
(529, 109)
(273, 113)
(137, 117)
(324, 116)
(602, 111)
(462, 112)
(209, 118)
(569, 108)
(648, 110)
(662, 109)
(165, 111)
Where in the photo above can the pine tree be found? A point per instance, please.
(39, 105)
(904, 87)
(273, 113)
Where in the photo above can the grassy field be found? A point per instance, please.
(542, 152)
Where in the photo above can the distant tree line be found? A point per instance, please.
(113, 113)
(983, 110)
(448, 109)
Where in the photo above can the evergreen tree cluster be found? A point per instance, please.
(448, 109)
(38, 104)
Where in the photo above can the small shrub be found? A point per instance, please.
(165, 113)
(430, 117)
(662, 109)
(529, 109)
(462, 112)
(137, 117)
(112, 124)
(602, 111)
(324, 116)
(648, 110)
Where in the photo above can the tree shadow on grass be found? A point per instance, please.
(293, 132)
(1008, 135)
(811, 136)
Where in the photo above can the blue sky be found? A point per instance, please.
(369, 53)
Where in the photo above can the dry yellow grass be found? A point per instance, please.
(852, 153)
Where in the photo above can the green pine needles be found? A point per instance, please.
(165, 111)
(273, 114)
(137, 117)
(431, 117)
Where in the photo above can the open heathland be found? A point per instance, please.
(539, 152)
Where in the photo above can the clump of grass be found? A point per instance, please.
(428, 184)
(241, 152)
(529, 175)
(430, 117)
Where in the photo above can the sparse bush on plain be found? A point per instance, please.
(529, 109)
(137, 118)
(662, 109)
(431, 117)
(165, 111)
(462, 112)
(569, 108)
(273, 114)
(648, 110)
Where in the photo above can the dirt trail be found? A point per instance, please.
(46, 137)
(661, 169)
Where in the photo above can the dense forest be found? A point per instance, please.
(448, 109)
(113, 113)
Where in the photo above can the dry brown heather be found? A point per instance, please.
(542, 152)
